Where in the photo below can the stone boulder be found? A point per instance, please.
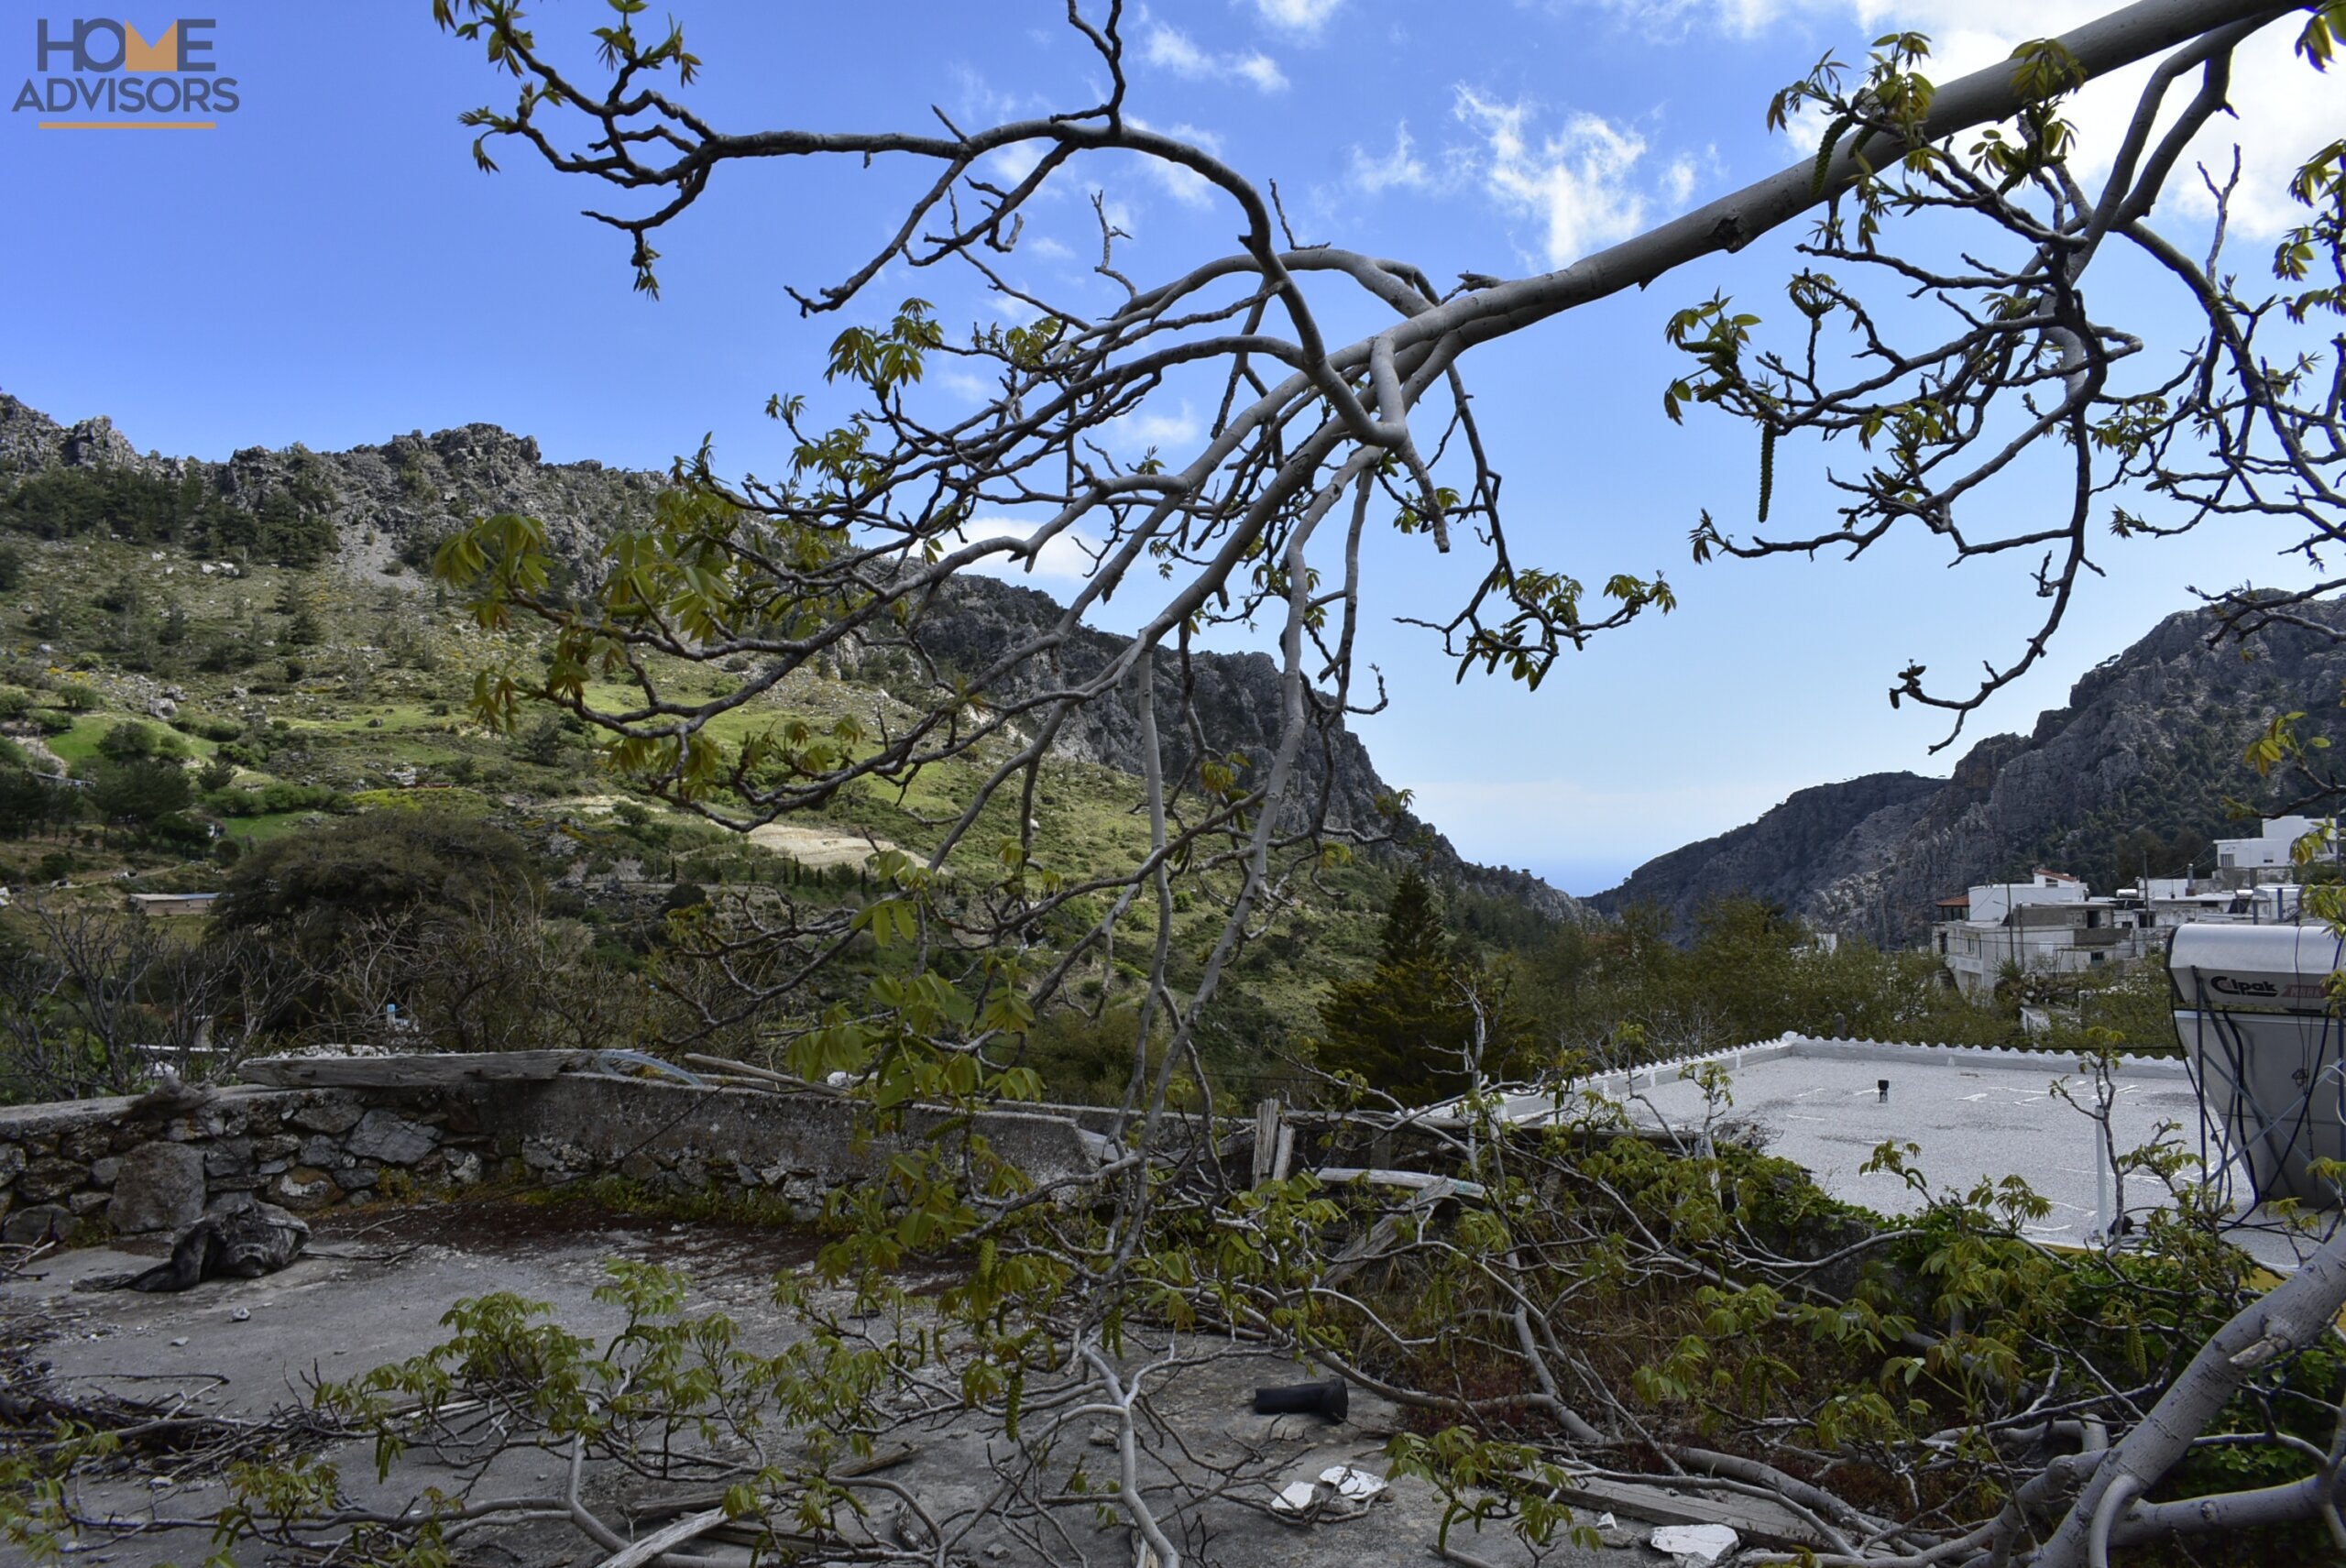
(41, 1223)
(51, 1175)
(388, 1139)
(327, 1116)
(304, 1190)
(159, 1187)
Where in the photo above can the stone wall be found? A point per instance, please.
(797, 1147)
(125, 1166)
(129, 1166)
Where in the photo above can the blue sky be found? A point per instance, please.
(328, 267)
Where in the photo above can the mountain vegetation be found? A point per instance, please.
(296, 735)
(209, 709)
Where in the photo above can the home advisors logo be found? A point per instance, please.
(109, 76)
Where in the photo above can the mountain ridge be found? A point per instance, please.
(387, 505)
(2136, 769)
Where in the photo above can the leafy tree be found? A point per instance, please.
(60, 503)
(140, 791)
(303, 627)
(318, 885)
(545, 743)
(26, 804)
(130, 740)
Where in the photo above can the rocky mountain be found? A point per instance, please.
(2138, 767)
(384, 507)
(1235, 699)
(1813, 839)
(382, 502)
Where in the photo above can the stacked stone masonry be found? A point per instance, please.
(105, 1164)
(94, 1166)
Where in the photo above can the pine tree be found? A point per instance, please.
(1408, 1027)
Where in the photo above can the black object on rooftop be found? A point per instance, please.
(1331, 1400)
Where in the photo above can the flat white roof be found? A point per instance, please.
(1974, 1113)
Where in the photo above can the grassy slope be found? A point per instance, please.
(385, 687)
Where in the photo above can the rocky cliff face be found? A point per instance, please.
(400, 498)
(2149, 743)
(1235, 699)
(1813, 839)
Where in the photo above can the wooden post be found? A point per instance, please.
(1270, 1130)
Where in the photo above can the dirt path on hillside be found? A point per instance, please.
(820, 848)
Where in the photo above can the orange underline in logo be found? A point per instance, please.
(129, 124)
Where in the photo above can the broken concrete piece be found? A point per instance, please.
(1355, 1485)
(1696, 1545)
(1340, 1492)
(1295, 1498)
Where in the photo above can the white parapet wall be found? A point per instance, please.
(1889, 1053)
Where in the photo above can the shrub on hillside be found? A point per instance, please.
(386, 865)
(270, 799)
(207, 726)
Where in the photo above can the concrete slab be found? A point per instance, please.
(376, 1284)
(1975, 1115)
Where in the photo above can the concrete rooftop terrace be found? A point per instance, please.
(1975, 1115)
(374, 1287)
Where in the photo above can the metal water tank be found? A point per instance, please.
(2267, 1051)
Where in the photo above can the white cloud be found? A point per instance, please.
(976, 388)
(1400, 168)
(2286, 110)
(1170, 48)
(1009, 165)
(1297, 16)
(1137, 432)
(1044, 244)
(1067, 557)
(1009, 308)
(1185, 186)
(1262, 70)
(1678, 180)
(1119, 216)
(1670, 20)
(1578, 182)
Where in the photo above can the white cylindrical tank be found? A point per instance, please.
(2267, 1051)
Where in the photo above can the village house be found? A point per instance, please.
(2270, 857)
(2051, 924)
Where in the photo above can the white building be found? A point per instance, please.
(1994, 900)
(2270, 857)
(2052, 924)
(2048, 925)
